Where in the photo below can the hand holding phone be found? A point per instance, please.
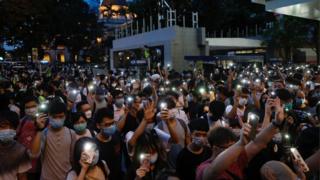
(253, 120)
(298, 158)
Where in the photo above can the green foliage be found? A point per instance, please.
(47, 23)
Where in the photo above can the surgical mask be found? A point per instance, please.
(109, 131)
(189, 98)
(299, 101)
(56, 123)
(288, 107)
(141, 106)
(119, 102)
(154, 158)
(80, 127)
(88, 114)
(243, 101)
(114, 84)
(31, 111)
(198, 141)
(7, 136)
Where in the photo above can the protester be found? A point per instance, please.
(14, 157)
(86, 162)
(55, 142)
(152, 124)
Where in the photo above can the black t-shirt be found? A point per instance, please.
(132, 124)
(188, 162)
(111, 153)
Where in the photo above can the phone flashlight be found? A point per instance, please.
(202, 90)
(130, 99)
(91, 87)
(287, 136)
(163, 106)
(253, 120)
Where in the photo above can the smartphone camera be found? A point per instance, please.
(253, 120)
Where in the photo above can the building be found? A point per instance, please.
(309, 9)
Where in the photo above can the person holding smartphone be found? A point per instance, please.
(87, 162)
(54, 142)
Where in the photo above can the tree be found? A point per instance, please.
(48, 23)
(288, 33)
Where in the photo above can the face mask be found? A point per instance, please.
(299, 102)
(7, 136)
(119, 102)
(243, 101)
(113, 84)
(109, 131)
(198, 141)
(56, 123)
(154, 158)
(80, 127)
(189, 98)
(88, 114)
(31, 111)
(141, 106)
(288, 107)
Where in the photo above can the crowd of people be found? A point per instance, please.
(235, 122)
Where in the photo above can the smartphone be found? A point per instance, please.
(163, 106)
(273, 95)
(145, 157)
(296, 155)
(89, 150)
(253, 120)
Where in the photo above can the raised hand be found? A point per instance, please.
(245, 131)
(40, 122)
(149, 112)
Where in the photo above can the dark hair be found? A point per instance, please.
(217, 109)
(173, 94)
(27, 99)
(200, 124)
(78, 149)
(76, 116)
(9, 116)
(284, 94)
(170, 102)
(308, 141)
(80, 104)
(220, 136)
(149, 140)
(103, 113)
(57, 106)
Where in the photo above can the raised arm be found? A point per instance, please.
(36, 143)
(223, 161)
(265, 136)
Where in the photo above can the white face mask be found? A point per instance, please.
(154, 158)
(31, 111)
(243, 101)
(88, 114)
